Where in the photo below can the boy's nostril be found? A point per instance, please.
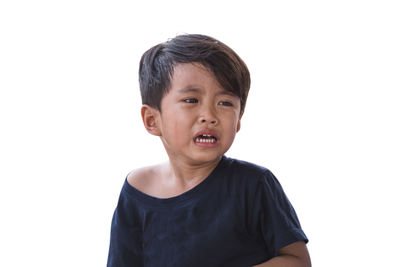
(212, 121)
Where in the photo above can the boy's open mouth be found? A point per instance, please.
(205, 138)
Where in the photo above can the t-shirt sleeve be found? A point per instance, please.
(125, 238)
(280, 225)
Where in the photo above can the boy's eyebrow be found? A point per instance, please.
(189, 89)
(192, 89)
(226, 92)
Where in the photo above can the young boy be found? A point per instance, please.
(200, 208)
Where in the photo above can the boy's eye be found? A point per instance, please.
(190, 100)
(225, 103)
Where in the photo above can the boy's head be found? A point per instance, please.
(157, 67)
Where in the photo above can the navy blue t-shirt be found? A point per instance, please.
(238, 216)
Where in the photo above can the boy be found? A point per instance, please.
(201, 208)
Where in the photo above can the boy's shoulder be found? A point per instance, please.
(143, 179)
(246, 167)
(154, 181)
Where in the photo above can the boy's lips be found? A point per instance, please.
(206, 137)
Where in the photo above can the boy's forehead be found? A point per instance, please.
(194, 78)
(191, 70)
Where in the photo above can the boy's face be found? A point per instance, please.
(198, 119)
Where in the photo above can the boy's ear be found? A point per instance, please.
(238, 125)
(150, 117)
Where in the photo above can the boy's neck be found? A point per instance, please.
(186, 174)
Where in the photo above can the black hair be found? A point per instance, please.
(157, 66)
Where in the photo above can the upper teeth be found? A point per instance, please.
(207, 139)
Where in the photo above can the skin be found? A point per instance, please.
(196, 103)
(293, 255)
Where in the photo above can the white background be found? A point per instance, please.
(322, 114)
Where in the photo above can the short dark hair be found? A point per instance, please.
(157, 66)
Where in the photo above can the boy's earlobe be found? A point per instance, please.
(238, 126)
(149, 117)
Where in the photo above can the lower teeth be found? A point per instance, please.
(205, 140)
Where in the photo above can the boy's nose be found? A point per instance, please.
(212, 121)
(208, 116)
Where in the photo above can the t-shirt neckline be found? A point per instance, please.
(184, 197)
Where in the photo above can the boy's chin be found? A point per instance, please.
(203, 158)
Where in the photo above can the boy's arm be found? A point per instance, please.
(293, 255)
